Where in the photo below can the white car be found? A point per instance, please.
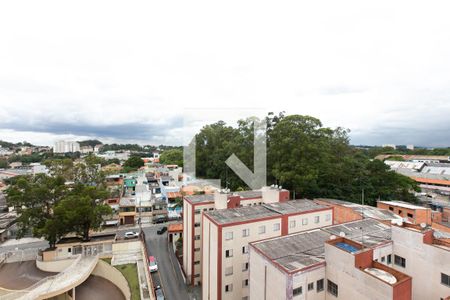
(153, 266)
(131, 235)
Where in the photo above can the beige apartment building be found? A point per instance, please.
(364, 259)
(228, 232)
(193, 208)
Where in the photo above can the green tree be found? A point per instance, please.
(172, 157)
(133, 163)
(34, 197)
(82, 210)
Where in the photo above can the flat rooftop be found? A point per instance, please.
(248, 194)
(402, 204)
(297, 251)
(200, 198)
(366, 210)
(250, 213)
(294, 206)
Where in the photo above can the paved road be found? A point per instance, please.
(169, 274)
(40, 245)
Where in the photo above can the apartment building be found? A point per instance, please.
(66, 147)
(364, 259)
(228, 232)
(195, 205)
(412, 213)
(420, 253)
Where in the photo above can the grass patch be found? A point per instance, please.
(129, 271)
(108, 260)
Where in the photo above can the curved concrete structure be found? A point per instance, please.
(21, 275)
(60, 283)
(98, 288)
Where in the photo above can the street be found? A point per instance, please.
(169, 275)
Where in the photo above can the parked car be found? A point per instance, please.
(131, 235)
(159, 293)
(153, 266)
(160, 219)
(161, 230)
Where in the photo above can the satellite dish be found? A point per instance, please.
(342, 234)
(423, 225)
(332, 237)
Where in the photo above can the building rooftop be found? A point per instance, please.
(364, 210)
(231, 215)
(403, 204)
(127, 201)
(294, 206)
(248, 213)
(297, 251)
(248, 194)
(200, 198)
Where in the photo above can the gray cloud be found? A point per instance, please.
(125, 131)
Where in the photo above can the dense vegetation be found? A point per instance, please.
(50, 208)
(172, 157)
(302, 156)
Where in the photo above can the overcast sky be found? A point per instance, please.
(153, 72)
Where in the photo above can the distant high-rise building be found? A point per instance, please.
(66, 147)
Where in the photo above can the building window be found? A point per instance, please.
(327, 217)
(228, 271)
(229, 253)
(245, 298)
(382, 259)
(229, 288)
(399, 211)
(244, 249)
(319, 285)
(197, 275)
(197, 211)
(229, 235)
(197, 249)
(332, 288)
(245, 266)
(310, 286)
(399, 261)
(445, 279)
(292, 224)
(212, 208)
(304, 221)
(316, 219)
(391, 208)
(197, 237)
(410, 215)
(297, 291)
(196, 262)
(245, 283)
(276, 227)
(245, 232)
(389, 259)
(197, 225)
(262, 229)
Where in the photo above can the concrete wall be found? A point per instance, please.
(310, 221)
(266, 281)
(103, 269)
(55, 266)
(352, 282)
(210, 260)
(424, 263)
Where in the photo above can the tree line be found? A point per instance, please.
(303, 156)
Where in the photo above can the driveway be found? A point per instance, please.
(169, 274)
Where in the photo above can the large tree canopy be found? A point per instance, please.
(49, 208)
(303, 156)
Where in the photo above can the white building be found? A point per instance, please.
(66, 147)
